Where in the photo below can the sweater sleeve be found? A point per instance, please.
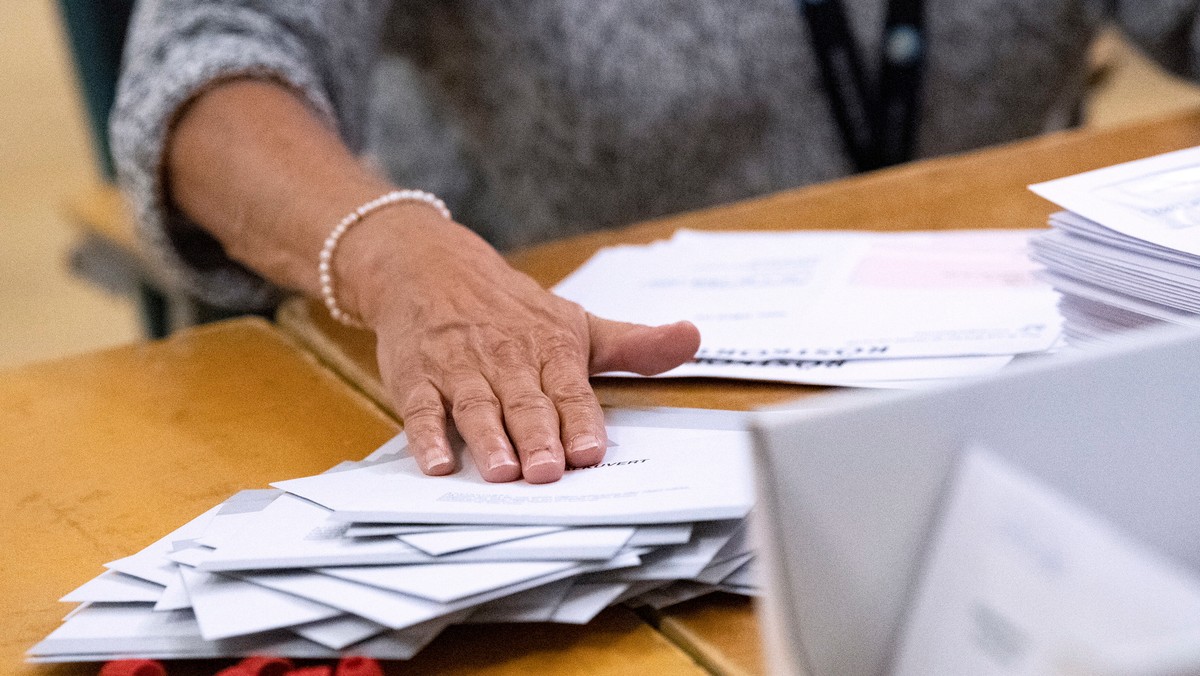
(325, 51)
(1167, 30)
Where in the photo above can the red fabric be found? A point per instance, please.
(358, 666)
(259, 665)
(133, 668)
(320, 670)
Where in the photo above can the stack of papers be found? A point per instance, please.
(1126, 254)
(373, 558)
(863, 309)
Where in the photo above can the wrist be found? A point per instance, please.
(387, 245)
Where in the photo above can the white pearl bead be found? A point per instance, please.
(325, 259)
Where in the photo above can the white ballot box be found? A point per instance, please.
(1045, 520)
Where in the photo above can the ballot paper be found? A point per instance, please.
(649, 475)
(151, 565)
(1023, 581)
(270, 571)
(839, 372)
(449, 582)
(226, 607)
(831, 308)
(1126, 254)
(586, 600)
(292, 532)
(115, 587)
(1155, 200)
(108, 631)
(438, 544)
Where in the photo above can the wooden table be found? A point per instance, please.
(107, 452)
(982, 189)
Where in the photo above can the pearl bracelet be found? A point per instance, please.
(325, 263)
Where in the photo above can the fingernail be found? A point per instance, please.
(500, 460)
(438, 462)
(582, 443)
(542, 457)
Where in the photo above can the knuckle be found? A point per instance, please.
(528, 401)
(575, 396)
(475, 401)
(423, 412)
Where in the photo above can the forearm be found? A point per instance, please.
(252, 164)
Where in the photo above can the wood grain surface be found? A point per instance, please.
(107, 452)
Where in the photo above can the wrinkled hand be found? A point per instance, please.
(462, 336)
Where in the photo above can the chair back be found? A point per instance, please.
(96, 34)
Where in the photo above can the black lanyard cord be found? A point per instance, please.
(878, 124)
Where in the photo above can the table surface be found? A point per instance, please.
(981, 189)
(107, 452)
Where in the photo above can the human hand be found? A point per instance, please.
(462, 336)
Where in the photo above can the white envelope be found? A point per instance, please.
(744, 576)
(391, 609)
(175, 595)
(679, 562)
(294, 533)
(675, 592)
(586, 600)
(151, 563)
(633, 595)
(404, 644)
(439, 543)
(533, 605)
(104, 632)
(113, 587)
(367, 530)
(226, 607)
(106, 629)
(339, 632)
(718, 572)
(447, 582)
(658, 535)
(653, 475)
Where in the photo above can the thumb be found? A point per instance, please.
(620, 346)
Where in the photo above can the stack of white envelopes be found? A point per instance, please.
(373, 558)
(1127, 253)
(865, 309)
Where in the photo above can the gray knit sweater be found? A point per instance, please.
(542, 118)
